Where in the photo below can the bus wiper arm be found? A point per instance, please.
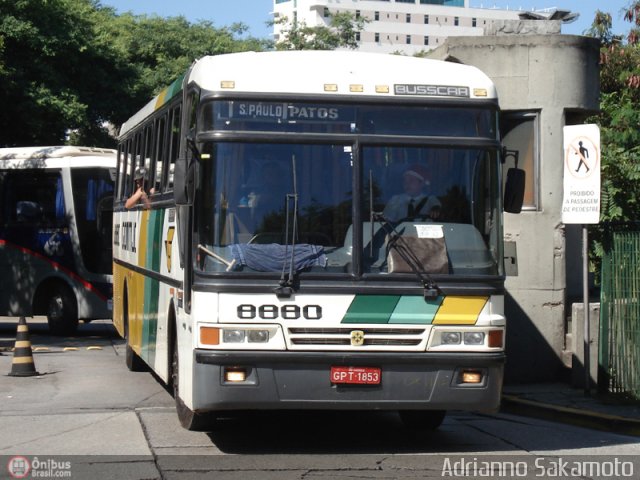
(398, 243)
(286, 285)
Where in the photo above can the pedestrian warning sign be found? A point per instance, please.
(581, 199)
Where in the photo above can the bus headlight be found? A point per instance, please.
(451, 338)
(258, 336)
(233, 336)
(474, 338)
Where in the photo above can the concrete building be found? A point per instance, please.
(544, 82)
(410, 26)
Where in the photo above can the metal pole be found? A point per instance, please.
(585, 293)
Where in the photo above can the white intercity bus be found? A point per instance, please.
(266, 264)
(55, 233)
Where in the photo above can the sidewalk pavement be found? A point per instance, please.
(561, 403)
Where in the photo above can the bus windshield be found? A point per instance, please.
(256, 200)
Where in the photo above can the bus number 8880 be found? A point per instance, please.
(273, 312)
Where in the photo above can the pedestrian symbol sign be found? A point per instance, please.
(581, 200)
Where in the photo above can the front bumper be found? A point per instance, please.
(300, 380)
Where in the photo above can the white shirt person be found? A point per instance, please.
(413, 203)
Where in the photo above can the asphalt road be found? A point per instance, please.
(88, 410)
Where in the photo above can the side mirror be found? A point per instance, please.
(514, 186)
(514, 190)
(180, 190)
(184, 175)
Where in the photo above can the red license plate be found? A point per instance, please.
(356, 375)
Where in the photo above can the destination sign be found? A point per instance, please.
(432, 90)
(287, 112)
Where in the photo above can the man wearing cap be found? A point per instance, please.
(139, 194)
(413, 203)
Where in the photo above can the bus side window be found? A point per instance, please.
(126, 169)
(121, 169)
(138, 158)
(160, 151)
(147, 156)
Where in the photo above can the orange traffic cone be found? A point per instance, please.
(22, 365)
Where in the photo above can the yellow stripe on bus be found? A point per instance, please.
(136, 286)
(459, 310)
(161, 97)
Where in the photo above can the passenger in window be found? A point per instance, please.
(413, 204)
(140, 194)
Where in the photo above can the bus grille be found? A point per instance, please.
(341, 337)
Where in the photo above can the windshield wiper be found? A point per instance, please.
(229, 264)
(286, 286)
(398, 243)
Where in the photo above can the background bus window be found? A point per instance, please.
(34, 198)
(520, 132)
(93, 206)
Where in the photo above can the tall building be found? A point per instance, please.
(411, 26)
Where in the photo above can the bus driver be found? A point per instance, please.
(413, 203)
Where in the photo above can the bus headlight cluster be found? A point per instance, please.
(492, 338)
(241, 336)
(459, 338)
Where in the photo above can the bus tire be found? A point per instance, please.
(61, 310)
(422, 419)
(193, 421)
(131, 358)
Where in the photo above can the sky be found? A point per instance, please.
(255, 13)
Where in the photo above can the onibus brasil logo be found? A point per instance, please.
(21, 467)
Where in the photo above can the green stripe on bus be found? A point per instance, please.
(371, 309)
(415, 310)
(152, 286)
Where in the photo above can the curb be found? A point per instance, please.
(573, 416)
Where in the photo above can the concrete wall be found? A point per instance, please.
(558, 76)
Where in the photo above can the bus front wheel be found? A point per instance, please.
(422, 419)
(194, 421)
(62, 311)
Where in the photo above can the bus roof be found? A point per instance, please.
(337, 73)
(355, 74)
(56, 157)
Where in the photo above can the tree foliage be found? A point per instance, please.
(75, 66)
(619, 118)
(342, 32)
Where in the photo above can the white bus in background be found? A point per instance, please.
(56, 208)
(263, 268)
